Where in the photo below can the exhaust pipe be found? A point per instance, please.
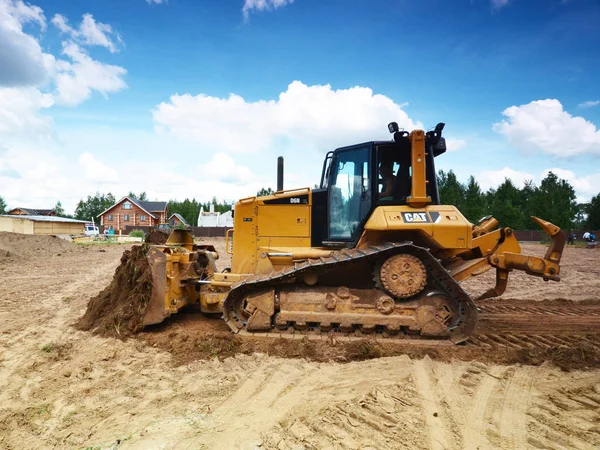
(280, 173)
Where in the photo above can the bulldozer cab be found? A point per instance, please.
(358, 178)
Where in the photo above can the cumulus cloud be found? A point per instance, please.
(96, 170)
(589, 104)
(76, 80)
(20, 111)
(89, 32)
(261, 5)
(156, 2)
(313, 117)
(41, 174)
(544, 126)
(22, 61)
(222, 167)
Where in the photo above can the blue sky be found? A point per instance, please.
(185, 98)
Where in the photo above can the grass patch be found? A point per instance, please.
(47, 348)
(138, 234)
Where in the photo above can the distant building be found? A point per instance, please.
(130, 211)
(20, 223)
(177, 219)
(31, 212)
(215, 219)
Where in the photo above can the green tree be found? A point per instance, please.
(2, 206)
(142, 197)
(506, 205)
(92, 207)
(593, 213)
(555, 201)
(59, 210)
(580, 220)
(475, 206)
(451, 191)
(264, 192)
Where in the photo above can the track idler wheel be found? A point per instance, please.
(403, 275)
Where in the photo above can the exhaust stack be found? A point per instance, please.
(280, 173)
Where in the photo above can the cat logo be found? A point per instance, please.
(416, 217)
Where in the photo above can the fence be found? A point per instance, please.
(537, 235)
(523, 235)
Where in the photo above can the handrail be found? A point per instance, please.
(230, 230)
(291, 190)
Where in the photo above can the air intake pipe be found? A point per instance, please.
(280, 173)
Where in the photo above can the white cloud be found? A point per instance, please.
(312, 117)
(589, 104)
(492, 178)
(96, 170)
(261, 5)
(156, 2)
(90, 32)
(76, 80)
(21, 58)
(32, 176)
(20, 111)
(455, 144)
(222, 167)
(543, 125)
(24, 13)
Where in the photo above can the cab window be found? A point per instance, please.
(349, 193)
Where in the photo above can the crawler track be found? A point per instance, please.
(503, 325)
(464, 316)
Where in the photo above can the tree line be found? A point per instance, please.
(553, 200)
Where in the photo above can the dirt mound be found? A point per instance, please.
(15, 245)
(156, 237)
(118, 310)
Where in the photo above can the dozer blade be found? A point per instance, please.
(157, 310)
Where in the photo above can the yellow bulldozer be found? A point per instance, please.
(371, 252)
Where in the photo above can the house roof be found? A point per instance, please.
(36, 218)
(33, 212)
(181, 219)
(152, 206)
(146, 206)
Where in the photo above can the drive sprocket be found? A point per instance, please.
(403, 275)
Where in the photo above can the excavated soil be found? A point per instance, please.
(156, 237)
(16, 246)
(64, 388)
(119, 309)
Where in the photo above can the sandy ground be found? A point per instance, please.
(63, 388)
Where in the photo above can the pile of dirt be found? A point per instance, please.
(118, 310)
(16, 245)
(156, 237)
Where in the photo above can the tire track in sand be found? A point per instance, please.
(437, 430)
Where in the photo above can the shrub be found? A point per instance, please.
(138, 233)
